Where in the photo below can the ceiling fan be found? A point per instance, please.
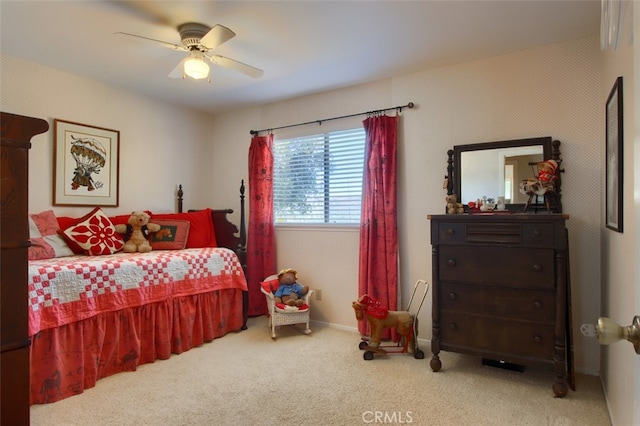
(199, 40)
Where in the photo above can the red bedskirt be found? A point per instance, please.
(69, 359)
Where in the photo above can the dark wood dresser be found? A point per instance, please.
(16, 134)
(500, 290)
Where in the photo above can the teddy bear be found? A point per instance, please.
(453, 206)
(289, 290)
(136, 232)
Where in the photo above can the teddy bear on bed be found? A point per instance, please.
(290, 291)
(136, 232)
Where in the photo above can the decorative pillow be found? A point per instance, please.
(201, 231)
(123, 219)
(93, 234)
(271, 285)
(171, 236)
(65, 221)
(45, 241)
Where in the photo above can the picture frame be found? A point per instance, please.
(614, 158)
(86, 163)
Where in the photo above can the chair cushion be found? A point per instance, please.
(286, 309)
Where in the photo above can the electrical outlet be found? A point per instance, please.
(318, 293)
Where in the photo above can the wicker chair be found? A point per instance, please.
(287, 316)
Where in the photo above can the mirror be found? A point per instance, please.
(495, 169)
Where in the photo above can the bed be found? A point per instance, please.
(94, 316)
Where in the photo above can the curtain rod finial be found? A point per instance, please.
(410, 105)
(253, 132)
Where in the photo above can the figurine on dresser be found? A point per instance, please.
(543, 184)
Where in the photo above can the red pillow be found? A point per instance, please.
(271, 285)
(122, 219)
(65, 221)
(172, 235)
(201, 231)
(93, 234)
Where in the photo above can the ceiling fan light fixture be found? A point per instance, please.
(196, 68)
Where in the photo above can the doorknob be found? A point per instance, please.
(609, 332)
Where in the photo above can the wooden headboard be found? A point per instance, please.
(227, 233)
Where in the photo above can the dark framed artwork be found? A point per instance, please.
(86, 165)
(614, 166)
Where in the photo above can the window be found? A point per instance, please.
(318, 179)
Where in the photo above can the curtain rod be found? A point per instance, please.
(398, 108)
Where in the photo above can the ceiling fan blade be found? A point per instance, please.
(165, 43)
(235, 65)
(216, 36)
(178, 71)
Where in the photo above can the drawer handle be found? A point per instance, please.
(451, 262)
(537, 268)
(537, 304)
(451, 232)
(453, 326)
(537, 339)
(452, 296)
(537, 233)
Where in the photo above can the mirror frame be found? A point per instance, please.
(550, 150)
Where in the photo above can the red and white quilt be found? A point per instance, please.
(68, 289)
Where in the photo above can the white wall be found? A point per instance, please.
(620, 251)
(550, 91)
(160, 146)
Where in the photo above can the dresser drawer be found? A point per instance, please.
(530, 305)
(525, 234)
(495, 265)
(494, 335)
(452, 233)
(538, 234)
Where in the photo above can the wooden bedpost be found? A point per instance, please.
(243, 230)
(180, 194)
(242, 255)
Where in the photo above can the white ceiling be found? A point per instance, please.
(303, 47)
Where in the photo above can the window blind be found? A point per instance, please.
(318, 178)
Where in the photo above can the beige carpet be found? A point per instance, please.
(245, 378)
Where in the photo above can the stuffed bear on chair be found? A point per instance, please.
(289, 291)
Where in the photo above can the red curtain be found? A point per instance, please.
(378, 269)
(261, 245)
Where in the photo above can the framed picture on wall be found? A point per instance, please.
(86, 165)
(614, 166)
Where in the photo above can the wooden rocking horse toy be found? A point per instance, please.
(380, 318)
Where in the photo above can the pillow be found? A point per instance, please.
(171, 236)
(201, 231)
(93, 234)
(122, 219)
(65, 221)
(45, 241)
(271, 285)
